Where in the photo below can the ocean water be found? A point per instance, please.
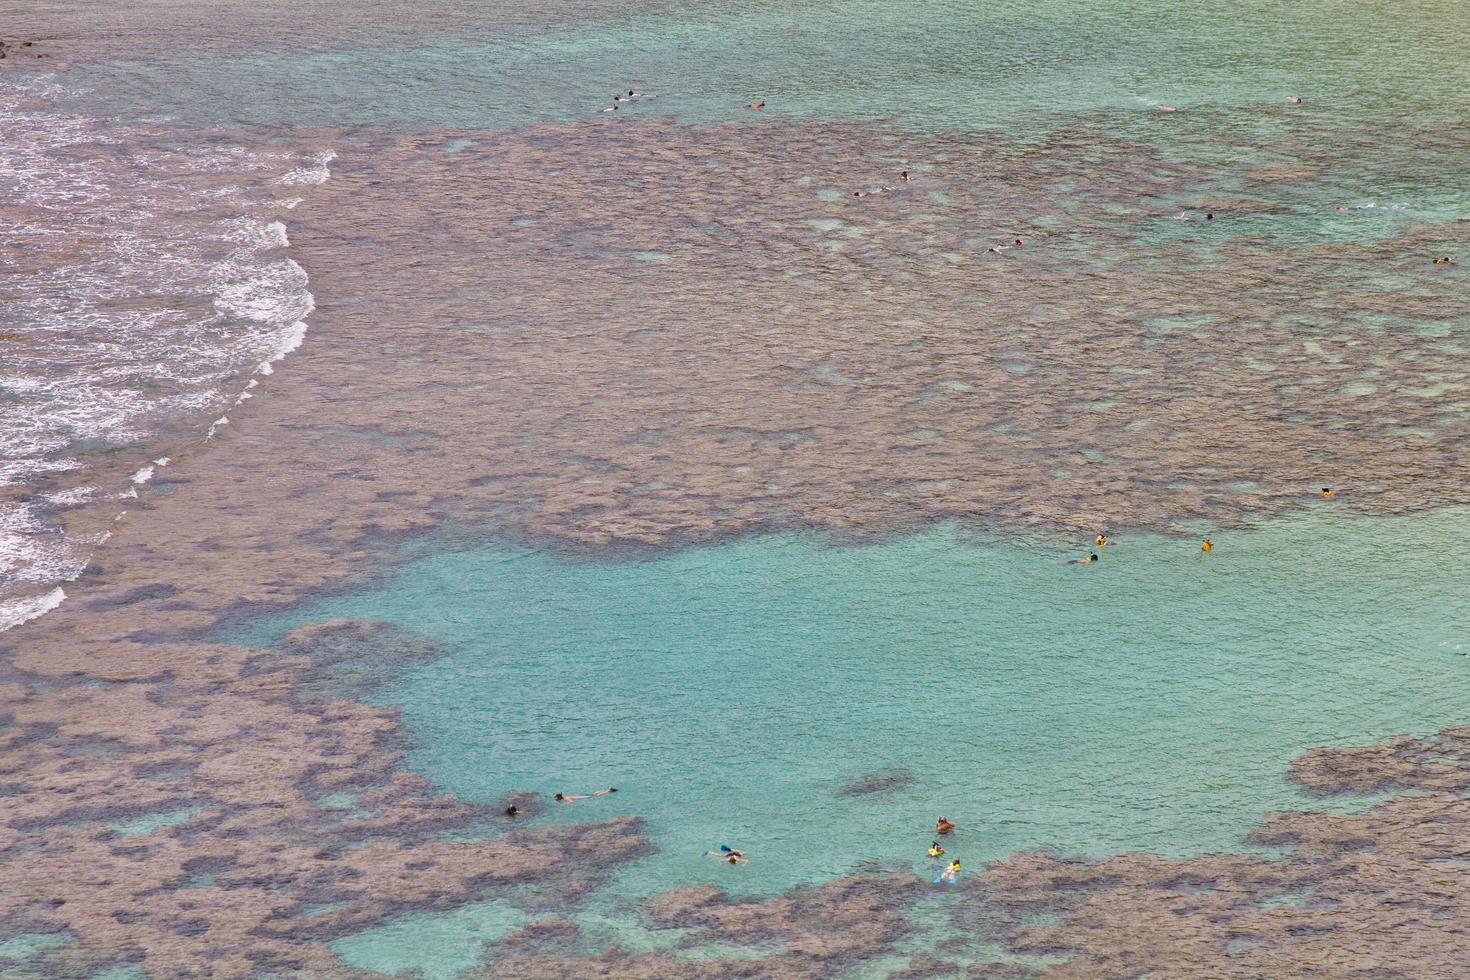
(1150, 701)
(732, 691)
(146, 285)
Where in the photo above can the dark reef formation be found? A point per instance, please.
(526, 354)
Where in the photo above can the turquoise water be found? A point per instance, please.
(1152, 700)
(730, 692)
(933, 64)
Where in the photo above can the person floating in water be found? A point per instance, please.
(935, 851)
(1295, 100)
(1101, 540)
(612, 108)
(1207, 545)
(728, 854)
(570, 798)
(904, 176)
(942, 826)
(755, 105)
(512, 811)
(1084, 561)
(1446, 260)
(1327, 493)
(949, 873)
(1167, 108)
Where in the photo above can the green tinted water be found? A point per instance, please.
(1152, 700)
(933, 64)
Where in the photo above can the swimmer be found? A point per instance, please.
(859, 193)
(567, 798)
(604, 792)
(1017, 243)
(1209, 216)
(949, 873)
(728, 854)
(755, 105)
(1101, 540)
(904, 176)
(1444, 261)
(1327, 493)
(943, 826)
(1084, 561)
(1167, 108)
(935, 851)
(1207, 545)
(512, 811)
(1295, 100)
(611, 108)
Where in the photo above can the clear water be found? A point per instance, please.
(729, 692)
(933, 64)
(1150, 701)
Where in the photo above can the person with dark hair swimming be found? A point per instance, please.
(728, 854)
(512, 811)
(1084, 561)
(570, 798)
(935, 851)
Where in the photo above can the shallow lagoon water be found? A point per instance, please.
(1151, 701)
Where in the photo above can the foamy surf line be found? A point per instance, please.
(80, 391)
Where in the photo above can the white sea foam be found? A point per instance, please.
(314, 173)
(13, 612)
(108, 340)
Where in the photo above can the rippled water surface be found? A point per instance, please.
(684, 323)
(744, 693)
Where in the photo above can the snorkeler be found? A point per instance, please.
(728, 854)
(1207, 545)
(949, 873)
(1327, 493)
(942, 826)
(935, 851)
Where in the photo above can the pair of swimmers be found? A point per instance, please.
(903, 175)
(625, 98)
(515, 811)
(943, 872)
(1445, 260)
